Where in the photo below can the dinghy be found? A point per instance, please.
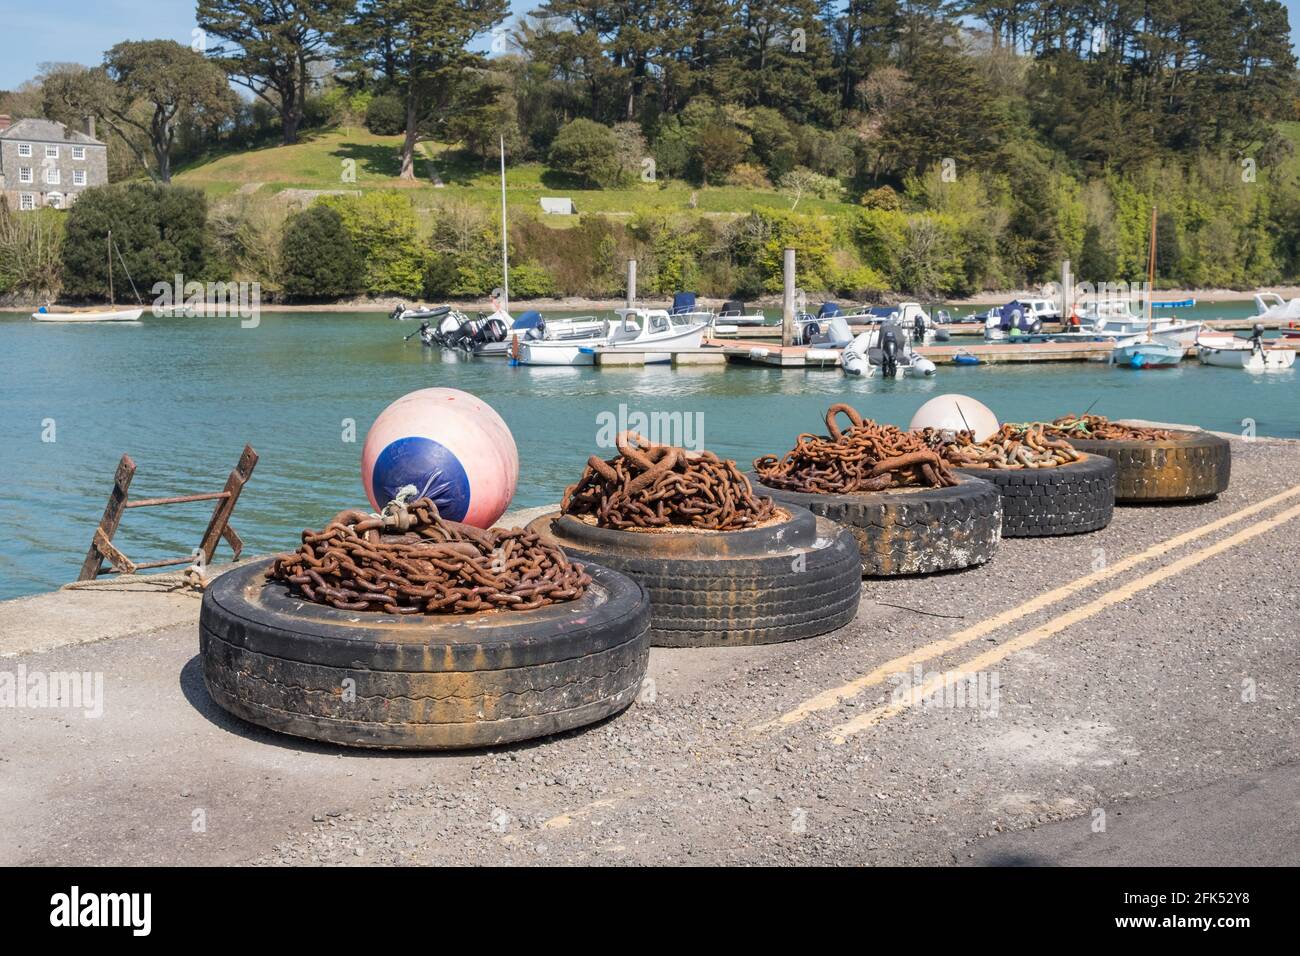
(1228, 351)
(87, 315)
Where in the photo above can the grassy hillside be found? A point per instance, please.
(318, 162)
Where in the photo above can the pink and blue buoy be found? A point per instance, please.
(451, 446)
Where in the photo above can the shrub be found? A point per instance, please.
(383, 227)
(30, 251)
(385, 115)
(748, 176)
(318, 258)
(530, 281)
(588, 151)
(160, 232)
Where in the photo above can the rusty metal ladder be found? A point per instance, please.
(102, 548)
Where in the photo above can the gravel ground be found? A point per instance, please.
(1186, 685)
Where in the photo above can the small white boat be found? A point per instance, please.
(1271, 307)
(1224, 350)
(89, 315)
(1149, 353)
(655, 332)
(737, 313)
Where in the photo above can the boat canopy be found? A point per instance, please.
(882, 311)
(827, 310)
(683, 302)
(1015, 315)
(733, 307)
(532, 319)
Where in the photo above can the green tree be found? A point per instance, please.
(385, 115)
(318, 258)
(383, 228)
(271, 46)
(587, 151)
(160, 232)
(421, 48)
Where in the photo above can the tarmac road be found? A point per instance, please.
(1137, 703)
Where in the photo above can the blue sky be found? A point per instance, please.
(36, 32)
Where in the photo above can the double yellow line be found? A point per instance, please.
(832, 698)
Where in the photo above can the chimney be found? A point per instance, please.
(5, 121)
(90, 126)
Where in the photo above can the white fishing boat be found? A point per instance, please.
(655, 332)
(1112, 317)
(1224, 350)
(1148, 353)
(87, 315)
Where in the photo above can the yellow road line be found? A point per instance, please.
(831, 698)
(1059, 623)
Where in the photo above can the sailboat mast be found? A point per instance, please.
(111, 299)
(1151, 270)
(505, 255)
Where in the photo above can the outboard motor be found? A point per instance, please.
(918, 328)
(530, 325)
(810, 331)
(427, 335)
(891, 343)
(397, 311)
(1257, 336)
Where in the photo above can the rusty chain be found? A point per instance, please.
(1011, 447)
(426, 565)
(866, 457)
(658, 486)
(1098, 427)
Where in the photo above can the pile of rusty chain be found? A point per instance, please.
(658, 486)
(430, 566)
(1098, 427)
(866, 457)
(1010, 447)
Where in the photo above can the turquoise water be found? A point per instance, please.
(181, 396)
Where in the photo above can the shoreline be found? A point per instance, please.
(578, 303)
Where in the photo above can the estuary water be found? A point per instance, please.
(182, 396)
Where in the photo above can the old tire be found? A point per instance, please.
(1188, 467)
(1067, 499)
(912, 530)
(791, 580)
(421, 683)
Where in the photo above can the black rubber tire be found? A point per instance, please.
(1191, 466)
(911, 530)
(421, 683)
(784, 582)
(1043, 502)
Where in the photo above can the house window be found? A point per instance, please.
(53, 176)
(54, 200)
(25, 174)
(78, 177)
(24, 149)
(78, 152)
(51, 152)
(26, 201)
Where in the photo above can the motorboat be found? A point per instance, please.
(45, 314)
(872, 353)
(1158, 344)
(1271, 307)
(405, 313)
(1224, 350)
(1010, 321)
(735, 312)
(909, 316)
(657, 333)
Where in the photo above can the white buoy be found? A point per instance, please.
(958, 413)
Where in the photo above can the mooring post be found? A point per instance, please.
(1067, 291)
(787, 305)
(631, 283)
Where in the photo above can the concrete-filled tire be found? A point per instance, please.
(793, 579)
(421, 682)
(911, 530)
(1187, 467)
(1066, 499)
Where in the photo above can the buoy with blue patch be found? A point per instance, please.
(451, 446)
